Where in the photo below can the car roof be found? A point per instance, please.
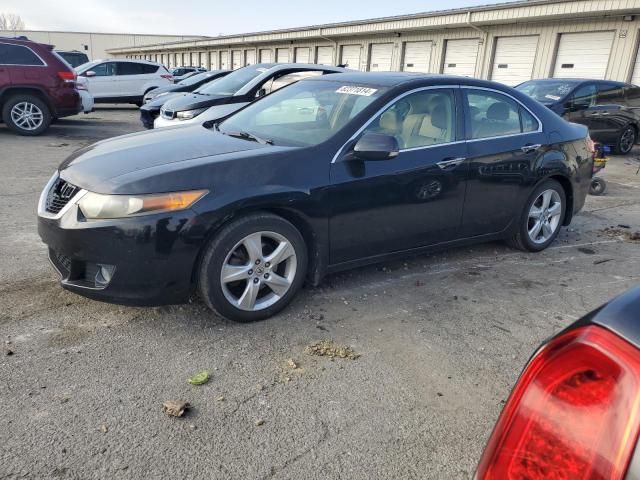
(576, 81)
(24, 41)
(392, 79)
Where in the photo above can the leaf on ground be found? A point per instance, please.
(199, 378)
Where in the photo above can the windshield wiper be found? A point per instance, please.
(251, 137)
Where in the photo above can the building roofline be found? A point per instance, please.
(15, 32)
(457, 12)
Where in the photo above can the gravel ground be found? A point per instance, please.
(441, 340)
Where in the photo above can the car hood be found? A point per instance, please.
(169, 88)
(192, 101)
(157, 102)
(103, 166)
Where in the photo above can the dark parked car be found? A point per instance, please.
(179, 71)
(155, 99)
(233, 92)
(323, 175)
(73, 57)
(36, 86)
(575, 410)
(609, 109)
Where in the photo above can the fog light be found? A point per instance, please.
(104, 275)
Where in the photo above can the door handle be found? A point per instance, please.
(531, 148)
(450, 163)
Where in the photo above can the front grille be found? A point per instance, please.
(59, 195)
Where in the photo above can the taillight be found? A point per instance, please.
(574, 413)
(67, 76)
(591, 145)
(167, 76)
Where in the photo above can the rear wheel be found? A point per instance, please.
(26, 115)
(253, 268)
(541, 218)
(626, 141)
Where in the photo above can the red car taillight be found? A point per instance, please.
(67, 76)
(574, 413)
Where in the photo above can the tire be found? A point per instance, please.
(598, 186)
(232, 299)
(626, 140)
(26, 115)
(522, 239)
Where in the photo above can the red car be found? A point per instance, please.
(36, 86)
(575, 412)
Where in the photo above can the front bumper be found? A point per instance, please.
(151, 257)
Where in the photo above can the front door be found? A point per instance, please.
(103, 83)
(503, 142)
(409, 201)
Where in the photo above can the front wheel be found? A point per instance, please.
(253, 268)
(541, 218)
(626, 141)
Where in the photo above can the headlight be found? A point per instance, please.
(96, 205)
(189, 114)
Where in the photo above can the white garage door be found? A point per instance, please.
(381, 54)
(351, 56)
(282, 55)
(250, 55)
(460, 57)
(417, 57)
(266, 55)
(635, 78)
(236, 59)
(303, 55)
(583, 55)
(513, 59)
(325, 55)
(224, 60)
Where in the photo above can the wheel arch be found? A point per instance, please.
(316, 248)
(566, 185)
(8, 92)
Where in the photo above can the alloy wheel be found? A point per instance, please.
(544, 216)
(627, 139)
(27, 116)
(258, 271)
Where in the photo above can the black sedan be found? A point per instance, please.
(327, 174)
(156, 98)
(243, 86)
(609, 109)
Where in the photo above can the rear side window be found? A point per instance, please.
(492, 114)
(129, 68)
(18, 55)
(146, 68)
(610, 93)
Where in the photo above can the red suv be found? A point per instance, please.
(36, 86)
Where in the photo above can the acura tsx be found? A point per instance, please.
(329, 173)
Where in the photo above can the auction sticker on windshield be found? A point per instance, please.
(350, 90)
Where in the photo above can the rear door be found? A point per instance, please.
(132, 78)
(504, 140)
(412, 200)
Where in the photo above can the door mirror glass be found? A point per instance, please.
(90, 73)
(376, 146)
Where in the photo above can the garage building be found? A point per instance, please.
(507, 42)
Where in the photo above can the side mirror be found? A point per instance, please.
(376, 146)
(261, 93)
(90, 73)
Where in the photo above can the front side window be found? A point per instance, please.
(104, 69)
(491, 114)
(584, 96)
(18, 55)
(304, 114)
(233, 82)
(418, 120)
(276, 83)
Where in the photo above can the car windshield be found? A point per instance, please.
(87, 66)
(303, 114)
(194, 79)
(547, 91)
(233, 82)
